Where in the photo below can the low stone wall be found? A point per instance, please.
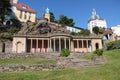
(8, 46)
(62, 62)
(99, 60)
(28, 55)
(29, 67)
(76, 62)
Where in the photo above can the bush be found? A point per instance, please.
(113, 45)
(99, 52)
(84, 32)
(65, 53)
(95, 30)
(73, 33)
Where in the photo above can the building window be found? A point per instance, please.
(75, 44)
(72, 30)
(21, 14)
(29, 16)
(80, 44)
(25, 15)
(85, 44)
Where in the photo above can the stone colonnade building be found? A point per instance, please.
(54, 42)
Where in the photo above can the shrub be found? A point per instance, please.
(84, 32)
(96, 30)
(113, 45)
(99, 52)
(65, 53)
(73, 33)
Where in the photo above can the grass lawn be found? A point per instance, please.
(27, 61)
(109, 71)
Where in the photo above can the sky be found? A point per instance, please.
(79, 10)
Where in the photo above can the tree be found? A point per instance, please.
(101, 30)
(64, 20)
(85, 32)
(52, 17)
(96, 30)
(4, 9)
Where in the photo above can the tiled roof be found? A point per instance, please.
(108, 32)
(23, 7)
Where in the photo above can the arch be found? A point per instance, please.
(97, 46)
(18, 47)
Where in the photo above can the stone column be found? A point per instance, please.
(78, 45)
(69, 45)
(54, 45)
(42, 45)
(59, 44)
(65, 42)
(36, 45)
(50, 46)
(31, 45)
(87, 44)
(82, 43)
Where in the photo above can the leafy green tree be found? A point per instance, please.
(64, 20)
(101, 30)
(13, 30)
(4, 9)
(84, 32)
(96, 30)
(52, 17)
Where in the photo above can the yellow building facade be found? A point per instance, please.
(23, 12)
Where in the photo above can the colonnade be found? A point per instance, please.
(48, 45)
(81, 45)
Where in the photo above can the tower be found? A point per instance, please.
(96, 20)
(47, 14)
(14, 1)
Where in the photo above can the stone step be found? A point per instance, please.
(81, 62)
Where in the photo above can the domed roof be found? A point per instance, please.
(94, 16)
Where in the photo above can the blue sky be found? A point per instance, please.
(79, 10)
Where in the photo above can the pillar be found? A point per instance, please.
(82, 44)
(36, 45)
(87, 44)
(65, 42)
(54, 45)
(69, 45)
(31, 44)
(77, 44)
(42, 45)
(50, 46)
(59, 44)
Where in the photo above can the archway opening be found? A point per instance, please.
(97, 46)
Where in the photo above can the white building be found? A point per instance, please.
(96, 20)
(116, 31)
(73, 29)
